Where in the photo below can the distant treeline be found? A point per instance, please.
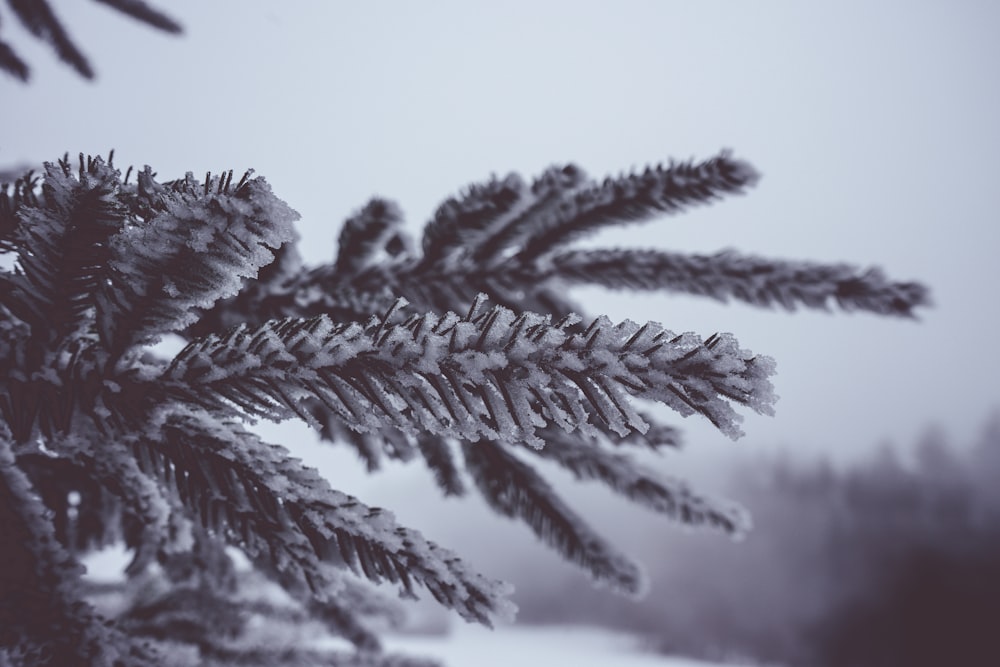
(895, 561)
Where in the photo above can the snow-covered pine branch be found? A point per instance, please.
(514, 489)
(440, 459)
(369, 237)
(547, 195)
(198, 244)
(136, 260)
(636, 198)
(505, 216)
(16, 190)
(43, 616)
(493, 374)
(107, 441)
(589, 460)
(728, 274)
(259, 497)
(508, 240)
(658, 435)
(463, 224)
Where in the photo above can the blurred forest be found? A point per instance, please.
(893, 561)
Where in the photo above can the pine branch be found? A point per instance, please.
(17, 189)
(270, 295)
(213, 618)
(493, 375)
(754, 280)
(343, 614)
(140, 11)
(438, 455)
(269, 504)
(62, 247)
(105, 268)
(92, 523)
(223, 624)
(39, 588)
(478, 241)
(658, 435)
(514, 489)
(47, 389)
(376, 229)
(672, 497)
(637, 198)
(372, 447)
(97, 500)
(548, 192)
(499, 238)
(12, 64)
(138, 260)
(148, 515)
(37, 17)
(323, 291)
(198, 243)
(188, 615)
(298, 656)
(464, 223)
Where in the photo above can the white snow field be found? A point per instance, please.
(463, 644)
(469, 645)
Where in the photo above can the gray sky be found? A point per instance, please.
(874, 124)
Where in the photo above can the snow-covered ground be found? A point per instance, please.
(533, 646)
(470, 645)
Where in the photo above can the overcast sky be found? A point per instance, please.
(875, 125)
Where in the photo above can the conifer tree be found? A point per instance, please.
(460, 350)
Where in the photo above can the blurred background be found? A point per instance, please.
(875, 128)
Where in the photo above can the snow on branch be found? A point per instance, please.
(491, 374)
(268, 503)
(658, 435)
(503, 220)
(438, 455)
(62, 246)
(548, 191)
(115, 499)
(341, 614)
(514, 489)
(17, 188)
(507, 240)
(133, 261)
(728, 274)
(668, 496)
(39, 581)
(636, 198)
(462, 223)
(198, 243)
(374, 229)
